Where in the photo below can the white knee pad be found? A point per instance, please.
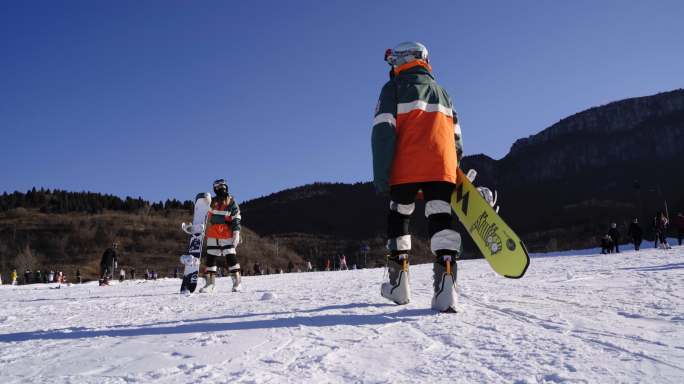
(446, 239)
(402, 208)
(437, 206)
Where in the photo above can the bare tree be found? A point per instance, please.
(83, 235)
(144, 213)
(26, 259)
(111, 230)
(59, 244)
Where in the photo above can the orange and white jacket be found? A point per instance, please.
(416, 136)
(224, 219)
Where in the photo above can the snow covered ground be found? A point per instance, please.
(578, 317)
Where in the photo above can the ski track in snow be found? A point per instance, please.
(576, 317)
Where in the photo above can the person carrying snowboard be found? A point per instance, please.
(417, 146)
(615, 235)
(223, 236)
(636, 233)
(108, 258)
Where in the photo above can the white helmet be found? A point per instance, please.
(406, 53)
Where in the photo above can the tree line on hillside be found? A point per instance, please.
(57, 201)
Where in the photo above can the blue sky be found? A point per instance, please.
(157, 99)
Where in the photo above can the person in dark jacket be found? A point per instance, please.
(606, 244)
(79, 279)
(615, 235)
(290, 267)
(636, 233)
(27, 276)
(268, 270)
(257, 269)
(679, 224)
(132, 273)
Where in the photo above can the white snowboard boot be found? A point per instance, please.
(210, 284)
(397, 289)
(446, 297)
(237, 281)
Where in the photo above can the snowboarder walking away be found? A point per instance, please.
(79, 279)
(108, 258)
(615, 235)
(223, 236)
(417, 146)
(122, 274)
(679, 224)
(636, 233)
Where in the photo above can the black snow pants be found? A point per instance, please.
(680, 234)
(637, 242)
(616, 243)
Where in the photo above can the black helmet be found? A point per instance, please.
(220, 188)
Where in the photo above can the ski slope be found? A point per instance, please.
(577, 317)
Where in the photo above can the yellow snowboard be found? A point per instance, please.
(503, 249)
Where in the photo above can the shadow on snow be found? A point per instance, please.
(209, 325)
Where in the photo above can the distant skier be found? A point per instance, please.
(38, 276)
(343, 263)
(615, 235)
(257, 269)
(417, 146)
(122, 275)
(79, 278)
(108, 258)
(290, 267)
(147, 274)
(175, 273)
(132, 273)
(660, 227)
(223, 236)
(268, 270)
(636, 233)
(679, 224)
(327, 268)
(14, 277)
(308, 266)
(154, 275)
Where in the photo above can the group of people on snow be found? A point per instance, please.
(611, 240)
(38, 277)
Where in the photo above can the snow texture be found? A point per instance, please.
(576, 317)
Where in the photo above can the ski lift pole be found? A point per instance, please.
(637, 186)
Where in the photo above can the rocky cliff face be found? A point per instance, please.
(649, 127)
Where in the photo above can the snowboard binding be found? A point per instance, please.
(485, 192)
